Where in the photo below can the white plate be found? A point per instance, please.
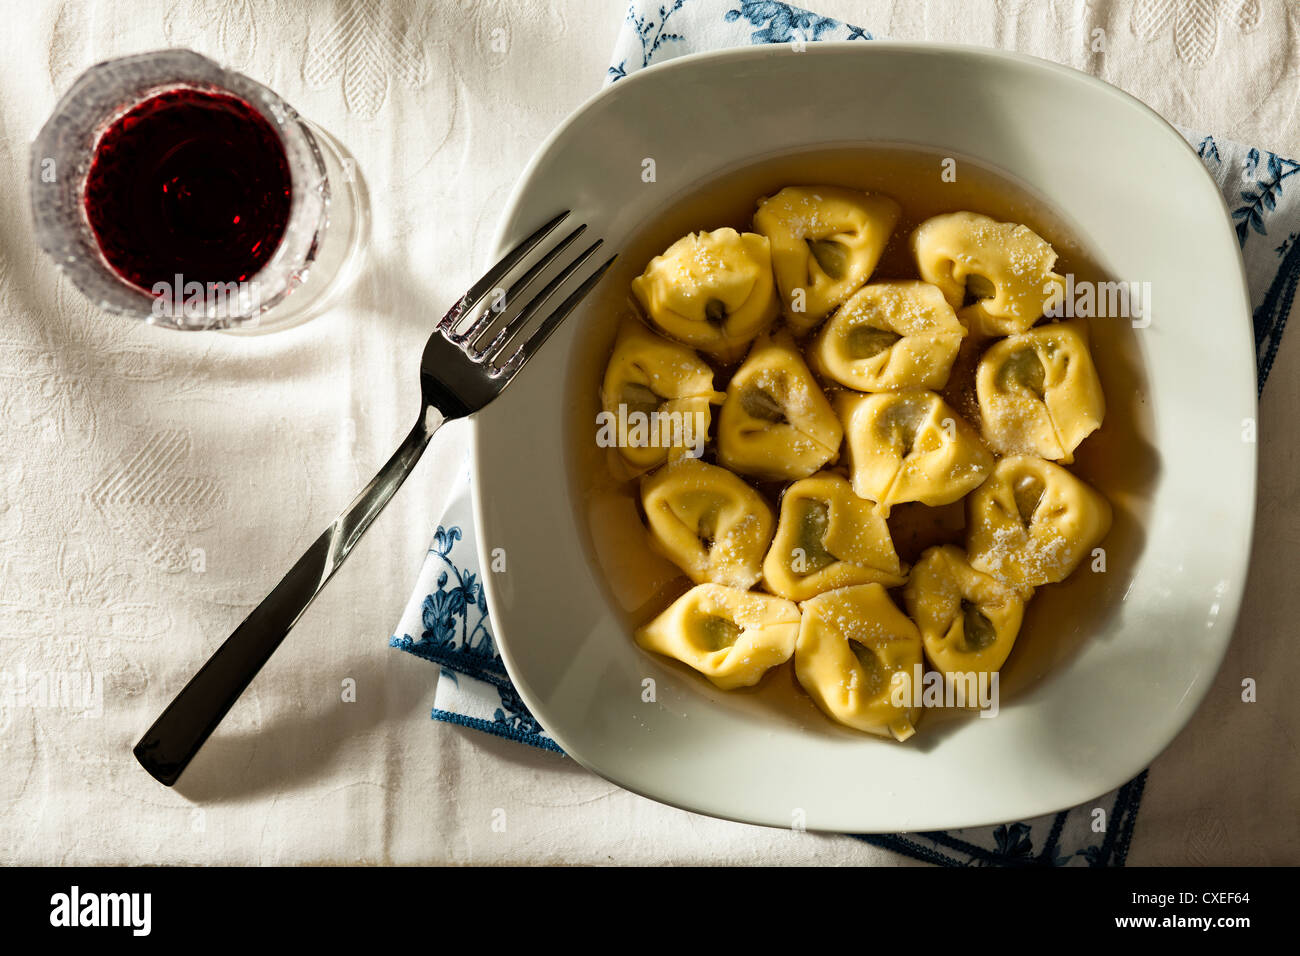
(1141, 200)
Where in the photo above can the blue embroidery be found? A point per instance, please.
(1270, 318)
(1263, 194)
(782, 22)
(500, 730)
(456, 631)
(1014, 841)
(489, 670)
(446, 611)
(651, 33)
(1208, 151)
(514, 714)
(1013, 844)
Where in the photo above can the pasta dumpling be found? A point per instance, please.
(826, 538)
(667, 383)
(1032, 522)
(910, 446)
(890, 335)
(731, 636)
(712, 290)
(776, 422)
(1005, 268)
(968, 620)
(707, 521)
(857, 657)
(1039, 393)
(826, 241)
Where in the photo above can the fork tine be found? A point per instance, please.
(512, 328)
(552, 321)
(472, 336)
(498, 272)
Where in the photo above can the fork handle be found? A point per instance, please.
(170, 744)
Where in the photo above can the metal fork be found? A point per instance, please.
(474, 353)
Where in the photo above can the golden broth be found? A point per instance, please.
(1117, 459)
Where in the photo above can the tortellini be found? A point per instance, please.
(712, 290)
(826, 241)
(826, 538)
(1039, 393)
(776, 422)
(813, 355)
(910, 446)
(968, 620)
(1004, 267)
(667, 383)
(707, 521)
(890, 335)
(1032, 522)
(731, 636)
(858, 657)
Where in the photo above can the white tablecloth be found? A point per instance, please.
(157, 484)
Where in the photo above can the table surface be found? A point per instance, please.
(157, 484)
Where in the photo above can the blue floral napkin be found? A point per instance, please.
(446, 620)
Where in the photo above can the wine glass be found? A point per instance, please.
(181, 193)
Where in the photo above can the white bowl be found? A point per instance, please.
(1141, 201)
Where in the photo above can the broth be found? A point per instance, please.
(1118, 459)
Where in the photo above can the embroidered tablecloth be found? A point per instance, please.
(156, 485)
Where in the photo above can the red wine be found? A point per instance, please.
(188, 182)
